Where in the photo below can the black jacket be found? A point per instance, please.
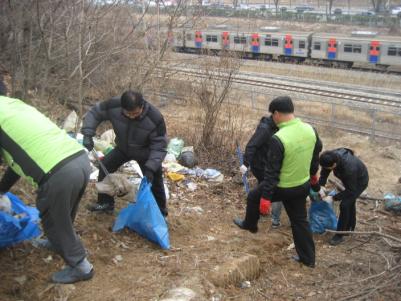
(351, 171)
(258, 146)
(143, 139)
(274, 162)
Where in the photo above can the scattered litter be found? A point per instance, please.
(5, 204)
(174, 167)
(48, 259)
(117, 185)
(175, 146)
(392, 203)
(179, 294)
(210, 238)
(170, 158)
(195, 209)
(175, 177)
(21, 279)
(117, 259)
(132, 167)
(291, 246)
(187, 157)
(94, 175)
(191, 186)
(70, 122)
(245, 284)
(108, 136)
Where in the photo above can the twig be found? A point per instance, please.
(366, 233)
(288, 285)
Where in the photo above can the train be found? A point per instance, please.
(358, 49)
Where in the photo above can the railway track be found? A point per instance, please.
(359, 95)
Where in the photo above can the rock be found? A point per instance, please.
(179, 294)
(311, 294)
(235, 271)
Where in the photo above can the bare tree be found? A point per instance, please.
(377, 5)
(276, 3)
(211, 92)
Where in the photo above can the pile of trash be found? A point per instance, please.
(180, 165)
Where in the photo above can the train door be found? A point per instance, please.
(198, 39)
(332, 49)
(374, 52)
(225, 40)
(255, 43)
(288, 44)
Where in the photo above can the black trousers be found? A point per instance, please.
(347, 217)
(113, 160)
(294, 201)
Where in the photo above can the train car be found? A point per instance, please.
(282, 46)
(358, 49)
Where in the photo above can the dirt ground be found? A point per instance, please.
(203, 240)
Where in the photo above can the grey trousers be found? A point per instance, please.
(57, 202)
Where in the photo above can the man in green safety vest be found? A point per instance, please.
(291, 166)
(34, 148)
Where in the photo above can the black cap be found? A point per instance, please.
(282, 104)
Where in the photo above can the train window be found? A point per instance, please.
(268, 41)
(316, 46)
(347, 48)
(275, 42)
(301, 44)
(357, 48)
(392, 51)
(210, 38)
(399, 51)
(236, 40)
(243, 40)
(189, 37)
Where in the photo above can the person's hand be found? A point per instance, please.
(88, 142)
(264, 206)
(148, 174)
(314, 183)
(243, 169)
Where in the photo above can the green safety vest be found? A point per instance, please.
(298, 139)
(30, 143)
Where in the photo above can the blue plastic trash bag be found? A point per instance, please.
(144, 217)
(321, 217)
(23, 225)
(392, 203)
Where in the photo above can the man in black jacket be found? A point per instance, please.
(255, 158)
(140, 135)
(354, 176)
(291, 167)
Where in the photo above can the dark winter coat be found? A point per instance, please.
(258, 146)
(142, 139)
(351, 171)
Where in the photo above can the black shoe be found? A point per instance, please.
(297, 259)
(336, 240)
(240, 223)
(101, 207)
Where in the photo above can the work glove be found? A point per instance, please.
(314, 183)
(148, 174)
(243, 169)
(264, 206)
(88, 142)
(328, 199)
(322, 192)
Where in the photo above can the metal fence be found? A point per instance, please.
(374, 121)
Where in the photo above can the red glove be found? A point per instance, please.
(264, 206)
(314, 180)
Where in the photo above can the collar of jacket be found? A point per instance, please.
(287, 123)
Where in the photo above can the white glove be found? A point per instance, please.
(322, 192)
(243, 169)
(328, 199)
